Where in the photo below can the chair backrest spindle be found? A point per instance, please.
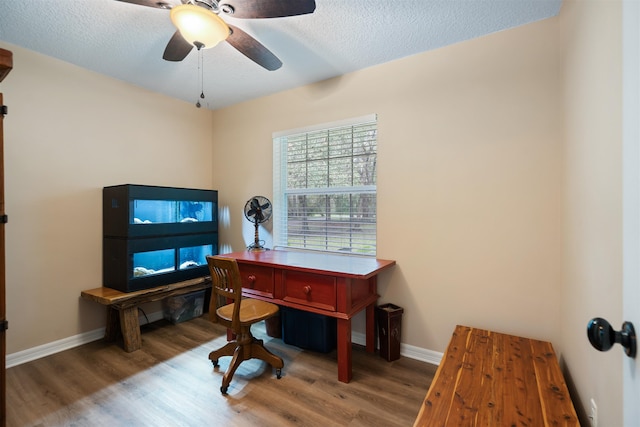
(226, 287)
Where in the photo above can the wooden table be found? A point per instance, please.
(490, 379)
(332, 285)
(122, 312)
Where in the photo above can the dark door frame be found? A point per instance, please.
(6, 64)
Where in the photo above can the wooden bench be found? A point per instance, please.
(122, 312)
(491, 379)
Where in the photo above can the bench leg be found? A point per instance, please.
(130, 329)
(113, 325)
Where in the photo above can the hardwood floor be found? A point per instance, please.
(171, 382)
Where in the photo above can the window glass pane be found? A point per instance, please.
(297, 150)
(364, 168)
(317, 146)
(317, 174)
(297, 175)
(341, 173)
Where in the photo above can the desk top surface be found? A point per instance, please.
(358, 267)
(489, 379)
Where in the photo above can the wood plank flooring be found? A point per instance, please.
(171, 382)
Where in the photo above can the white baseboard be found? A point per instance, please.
(406, 350)
(34, 353)
(421, 354)
(358, 338)
(24, 356)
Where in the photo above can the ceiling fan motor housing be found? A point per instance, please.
(181, 44)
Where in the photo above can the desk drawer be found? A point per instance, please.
(314, 290)
(257, 280)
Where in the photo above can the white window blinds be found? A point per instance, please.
(325, 187)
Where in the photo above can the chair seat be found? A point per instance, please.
(251, 311)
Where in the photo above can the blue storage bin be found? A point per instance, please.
(310, 331)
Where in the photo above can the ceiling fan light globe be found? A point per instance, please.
(199, 25)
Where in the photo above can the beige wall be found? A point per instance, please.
(70, 132)
(469, 167)
(592, 279)
(493, 219)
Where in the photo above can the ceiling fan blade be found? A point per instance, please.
(269, 8)
(177, 48)
(253, 49)
(158, 4)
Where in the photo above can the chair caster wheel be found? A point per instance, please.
(215, 363)
(278, 373)
(224, 389)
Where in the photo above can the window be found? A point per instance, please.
(325, 187)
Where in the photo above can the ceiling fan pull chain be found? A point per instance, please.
(201, 69)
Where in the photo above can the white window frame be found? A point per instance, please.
(280, 192)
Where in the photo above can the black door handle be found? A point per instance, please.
(602, 336)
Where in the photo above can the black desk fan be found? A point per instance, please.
(257, 210)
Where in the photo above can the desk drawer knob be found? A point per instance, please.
(306, 290)
(252, 280)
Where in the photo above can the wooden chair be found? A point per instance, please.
(228, 308)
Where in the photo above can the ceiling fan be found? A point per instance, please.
(213, 29)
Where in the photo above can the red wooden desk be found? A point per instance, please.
(332, 285)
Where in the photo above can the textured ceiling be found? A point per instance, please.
(126, 41)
